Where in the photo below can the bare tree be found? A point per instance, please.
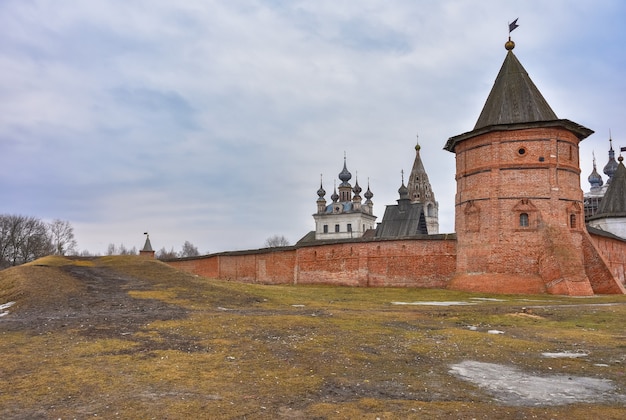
(164, 254)
(276, 241)
(62, 237)
(111, 249)
(120, 250)
(189, 250)
(23, 239)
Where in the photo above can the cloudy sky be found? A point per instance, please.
(211, 121)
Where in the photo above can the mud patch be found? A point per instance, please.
(512, 386)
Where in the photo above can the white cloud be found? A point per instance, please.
(211, 121)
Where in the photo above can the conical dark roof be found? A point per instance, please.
(613, 203)
(147, 247)
(514, 98)
(515, 103)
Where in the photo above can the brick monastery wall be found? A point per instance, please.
(614, 253)
(418, 262)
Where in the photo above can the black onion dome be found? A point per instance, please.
(321, 192)
(403, 191)
(345, 175)
(611, 166)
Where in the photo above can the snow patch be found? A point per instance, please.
(564, 354)
(513, 386)
(449, 303)
(5, 306)
(489, 299)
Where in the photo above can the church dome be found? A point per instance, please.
(403, 191)
(611, 166)
(595, 179)
(357, 189)
(321, 192)
(345, 175)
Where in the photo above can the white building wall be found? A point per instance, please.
(614, 225)
(357, 220)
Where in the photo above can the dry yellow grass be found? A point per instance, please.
(153, 342)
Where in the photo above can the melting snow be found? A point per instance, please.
(5, 306)
(564, 354)
(452, 303)
(513, 386)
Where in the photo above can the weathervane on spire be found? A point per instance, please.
(509, 45)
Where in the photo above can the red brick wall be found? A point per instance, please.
(534, 172)
(395, 263)
(614, 253)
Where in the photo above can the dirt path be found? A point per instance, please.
(103, 307)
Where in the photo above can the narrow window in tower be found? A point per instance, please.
(325, 228)
(523, 219)
(349, 227)
(572, 221)
(336, 228)
(571, 152)
(363, 228)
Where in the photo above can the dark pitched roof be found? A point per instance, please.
(147, 247)
(613, 203)
(515, 103)
(514, 98)
(403, 219)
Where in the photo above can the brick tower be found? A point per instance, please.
(519, 206)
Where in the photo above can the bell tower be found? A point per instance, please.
(519, 206)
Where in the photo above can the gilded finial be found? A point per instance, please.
(417, 143)
(509, 45)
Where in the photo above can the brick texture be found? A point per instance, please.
(519, 214)
(426, 263)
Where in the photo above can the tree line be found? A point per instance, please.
(25, 238)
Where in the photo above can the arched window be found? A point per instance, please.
(572, 221)
(523, 219)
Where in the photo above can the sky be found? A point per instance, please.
(211, 121)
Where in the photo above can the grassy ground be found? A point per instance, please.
(124, 337)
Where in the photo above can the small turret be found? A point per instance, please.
(147, 250)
